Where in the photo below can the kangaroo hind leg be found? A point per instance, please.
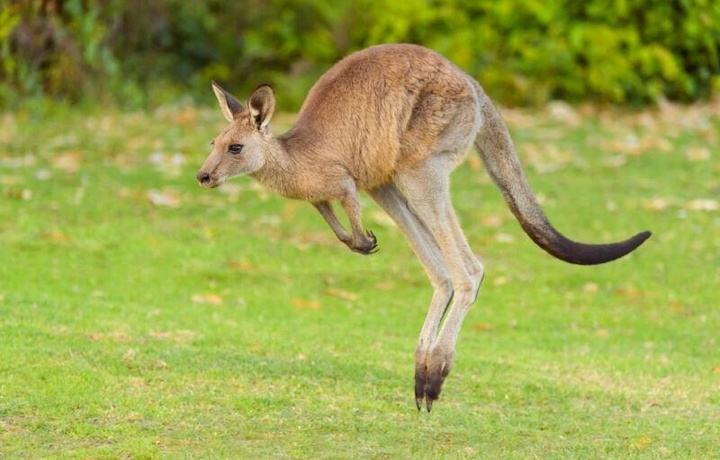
(428, 252)
(426, 189)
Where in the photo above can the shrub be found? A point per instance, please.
(522, 51)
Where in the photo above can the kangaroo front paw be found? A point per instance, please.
(364, 244)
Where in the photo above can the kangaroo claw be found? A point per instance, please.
(366, 245)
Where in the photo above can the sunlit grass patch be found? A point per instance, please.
(144, 317)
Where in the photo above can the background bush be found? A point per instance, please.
(142, 53)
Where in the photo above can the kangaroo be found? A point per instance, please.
(394, 121)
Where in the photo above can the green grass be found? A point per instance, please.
(142, 317)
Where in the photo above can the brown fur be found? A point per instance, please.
(394, 121)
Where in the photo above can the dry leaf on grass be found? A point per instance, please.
(385, 286)
(212, 299)
(306, 304)
(116, 336)
(18, 194)
(67, 162)
(505, 238)
(500, 281)
(493, 221)
(703, 205)
(242, 265)
(186, 116)
(55, 236)
(341, 294)
(656, 204)
(678, 307)
(126, 193)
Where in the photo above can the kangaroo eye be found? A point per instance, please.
(235, 148)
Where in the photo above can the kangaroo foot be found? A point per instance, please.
(429, 378)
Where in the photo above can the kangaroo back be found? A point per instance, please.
(498, 153)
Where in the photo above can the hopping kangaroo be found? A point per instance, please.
(394, 121)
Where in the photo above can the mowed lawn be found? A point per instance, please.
(142, 317)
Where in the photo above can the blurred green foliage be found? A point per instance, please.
(141, 53)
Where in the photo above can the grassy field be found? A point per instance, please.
(142, 317)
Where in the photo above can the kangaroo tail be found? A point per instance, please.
(498, 153)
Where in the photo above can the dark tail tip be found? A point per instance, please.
(593, 254)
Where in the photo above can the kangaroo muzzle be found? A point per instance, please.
(207, 180)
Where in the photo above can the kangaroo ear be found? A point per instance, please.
(262, 105)
(230, 106)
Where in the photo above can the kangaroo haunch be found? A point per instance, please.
(394, 121)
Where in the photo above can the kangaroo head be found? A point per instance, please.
(241, 147)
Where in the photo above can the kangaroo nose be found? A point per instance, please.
(203, 177)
